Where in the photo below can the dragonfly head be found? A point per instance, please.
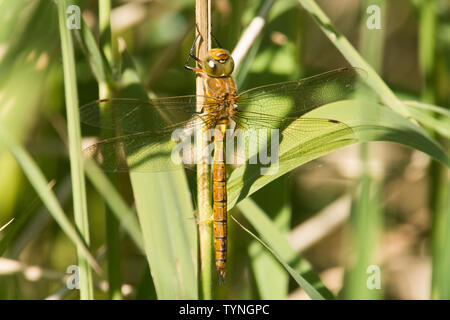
(218, 63)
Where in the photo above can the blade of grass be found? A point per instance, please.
(354, 58)
(112, 224)
(439, 181)
(27, 38)
(423, 113)
(39, 183)
(369, 121)
(99, 66)
(278, 246)
(274, 198)
(172, 273)
(40, 219)
(76, 161)
(115, 202)
(440, 206)
(165, 213)
(365, 227)
(427, 40)
(203, 23)
(6, 224)
(5, 242)
(251, 33)
(168, 229)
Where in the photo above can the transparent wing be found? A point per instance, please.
(158, 130)
(134, 115)
(155, 150)
(285, 138)
(295, 98)
(310, 136)
(276, 139)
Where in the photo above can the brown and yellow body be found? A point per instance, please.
(217, 67)
(224, 90)
(220, 199)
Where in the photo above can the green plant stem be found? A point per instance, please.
(366, 211)
(112, 224)
(76, 160)
(439, 184)
(104, 11)
(203, 21)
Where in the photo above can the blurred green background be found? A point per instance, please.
(377, 204)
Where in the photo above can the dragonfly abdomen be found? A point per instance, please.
(220, 200)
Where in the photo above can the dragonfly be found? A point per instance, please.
(144, 129)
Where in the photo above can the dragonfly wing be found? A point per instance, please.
(295, 98)
(310, 136)
(134, 115)
(148, 151)
(290, 137)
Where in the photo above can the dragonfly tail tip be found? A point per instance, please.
(221, 274)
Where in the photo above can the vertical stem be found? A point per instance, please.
(112, 224)
(439, 183)
(427, 32)
(366, 216)
(250, 34)
(76, 160)
(203, 22)
(104, 11)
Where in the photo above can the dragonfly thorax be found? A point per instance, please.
(226, 107)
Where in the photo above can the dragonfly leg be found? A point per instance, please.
(193, 56)
(215, 39)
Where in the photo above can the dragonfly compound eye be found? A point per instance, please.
(212, 64)
(218, 63)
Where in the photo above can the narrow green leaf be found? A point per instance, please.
(423, 113)
(369, 122)
(37, 180)
(169, 232)
(166, 217)
(353, 57)
(366, 222)
(275, 200)
(76, 160)
(277, 244)
(115, 202)
(97, 61)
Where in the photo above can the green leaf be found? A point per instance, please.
(97, 61)
(423, 113)
(166, 217)
(277, 244)
(76, 159)
(365, 226)
(353, 57)
(262, 262)
(369, 122)
(37, 179)
(115, 201)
